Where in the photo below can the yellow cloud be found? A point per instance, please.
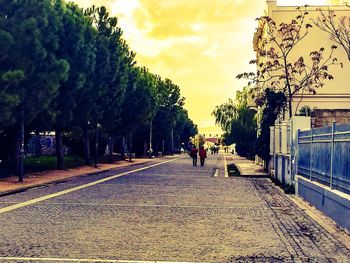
(176, 18)
(200, 44)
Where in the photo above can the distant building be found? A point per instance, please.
(213, 140)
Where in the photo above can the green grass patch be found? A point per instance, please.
(42, 163)
(233, 170)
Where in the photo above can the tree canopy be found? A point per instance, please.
(69, 70)
(238, 123)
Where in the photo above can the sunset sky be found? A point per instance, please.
(199, 44)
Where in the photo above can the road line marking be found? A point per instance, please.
(149, 205)
(225, 163)
(89, 260)
(59, 259)
(216, 174)
(46, 197)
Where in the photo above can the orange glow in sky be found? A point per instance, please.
(199, 44)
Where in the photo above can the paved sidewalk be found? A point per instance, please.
(10, 184)
(246, 167)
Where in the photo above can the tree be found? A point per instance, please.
(150, 81)
(184, 128)
(338, 29)
(78, 49)
(121, 63)
(32, 28)
(224, 114)
(170, 102)
(243, 126)
(8, 98)
(277, 70)
(238, 123)
(110, 76)
(70, 70)
(243, 132)
(304, 111)
(83, 111)
(10, 76)
(274, 103)
(198, 140)
(138, 104)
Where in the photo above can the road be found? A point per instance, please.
(165, 210)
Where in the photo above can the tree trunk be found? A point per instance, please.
(290, 108)
(130, 146)
(144, 148)
(96, 143)
(87, 155)
(156, 148)
(122, 150)
(59, 149)
(17, 148)
(172, 142)
(150, 151)
(20, 145)
(110, 148)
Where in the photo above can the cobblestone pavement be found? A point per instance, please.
(171, 212)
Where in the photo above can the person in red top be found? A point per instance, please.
(202, 155)
(193, 154)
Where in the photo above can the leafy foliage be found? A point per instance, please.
(274, 103)
(277, 70)
(337, 28)
(239, 124)
(224, 114)
(70, 70)
(304, 111)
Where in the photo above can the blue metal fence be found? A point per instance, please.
(323, 155)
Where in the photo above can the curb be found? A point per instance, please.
(249, 175)
(318, 216)
(61, 180)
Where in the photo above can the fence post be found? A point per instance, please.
(291, 150)
(311, 146)
(296, 153)
(332, 154)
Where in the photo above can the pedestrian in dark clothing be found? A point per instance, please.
(202, 155)
(193, 154)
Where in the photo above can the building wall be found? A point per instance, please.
(325, 117)
(336, 93)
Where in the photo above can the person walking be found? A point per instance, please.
(202, 155)
(193, 154)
